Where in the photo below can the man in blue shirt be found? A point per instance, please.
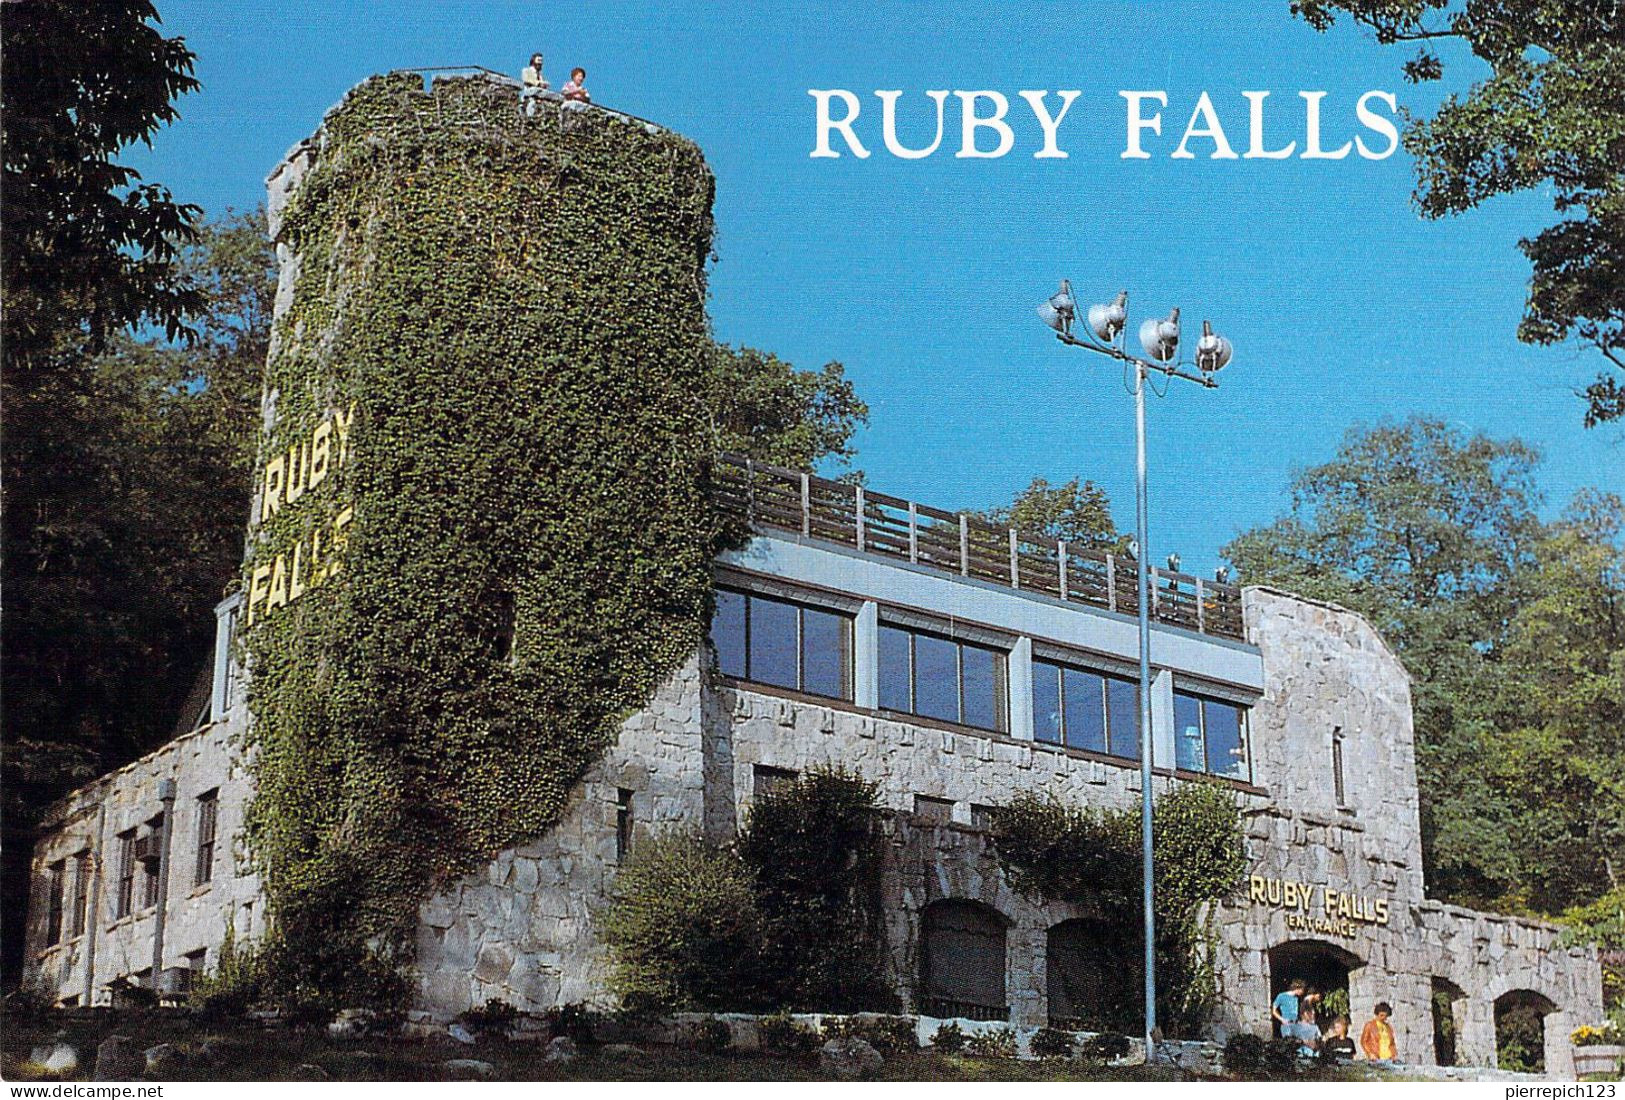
(1284, 1010)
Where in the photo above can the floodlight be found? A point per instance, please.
(1059, 310)
(1106, 321)
(1161, 338)
(1173, 563)
(1212, 350)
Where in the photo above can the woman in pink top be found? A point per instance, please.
(576, 87)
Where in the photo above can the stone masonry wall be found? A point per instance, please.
(79, 968)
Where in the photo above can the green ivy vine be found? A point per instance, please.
(1091, 858)
(514, 308)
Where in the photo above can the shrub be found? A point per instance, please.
(1051, 1042)
(713, 1036)
(998, 1042)
(887, 1034)
(949, 1039)
(786, 1037)
(575, 1021)
(494, 1017)
(683, 928)
(127, 994)
(815, 851)
(1244, 1054)
(1105, 1047)
(1280, 1057)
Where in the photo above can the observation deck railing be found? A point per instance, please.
(952, 542)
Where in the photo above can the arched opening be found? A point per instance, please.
(1093, 977)
(962, 961)
(1520, 1030)
(1446, 1004)
(1323, 967)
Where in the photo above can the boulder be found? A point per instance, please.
(212, 1052)
(353, 1023)
(622, 1050)
(58, 1058)
(560, 1049)
(119, 1058)
(304, 1071)
(849, 1059)
(163, 1060)
(467, 1069)
(461, 1034)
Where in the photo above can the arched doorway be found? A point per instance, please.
(1446, 1005)
(1520, 1030)
(1093, 977)
(1322, 966)
(962, 961)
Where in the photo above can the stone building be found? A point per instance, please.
(957, 666)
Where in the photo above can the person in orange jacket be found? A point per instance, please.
(1377, 1037)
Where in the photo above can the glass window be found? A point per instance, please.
(728, 632)
(56, 882)
(936, 678)
(982, 688)
(125, 899)
(1123, 718)
(826, 653)
(1188, 754)
(784, 644)
(1210, 736)
(895, 659)
(208, 816)
(1226, 748)
(774, 643)
(1085, 710)
(940, 678)
(1047, 702)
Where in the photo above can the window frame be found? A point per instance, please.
(1243, 733)
(124, 896)
(848, 656)
(1106, 678)
(56, 884)
(624, 822)
(208, 825)
(1001, 676)
(81, 892)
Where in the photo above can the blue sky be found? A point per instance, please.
(921, 276)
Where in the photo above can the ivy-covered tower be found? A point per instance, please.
(480, 532)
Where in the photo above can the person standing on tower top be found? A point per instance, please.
(575, 89)
(532, 83)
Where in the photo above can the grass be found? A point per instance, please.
(250, 1053)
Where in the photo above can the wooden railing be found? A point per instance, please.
(953, 542)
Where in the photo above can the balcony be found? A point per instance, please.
(770, 498)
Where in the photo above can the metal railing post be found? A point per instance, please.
(1201, 612)
(1061, 545)
(964, 545)
(1015, 573)
(1111, 582)
(913, 533)
(861, 517)
(806, 504)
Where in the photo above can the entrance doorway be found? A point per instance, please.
(1322, 966)
(1094, 977)
(1446, 1001)
(1520, 1030)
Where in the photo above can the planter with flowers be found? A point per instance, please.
(1599, 1049)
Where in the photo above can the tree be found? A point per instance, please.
(1511, 631)
(1079, 513)
(88, 247)
(766, 409)
(126, 487)
(1551, 115)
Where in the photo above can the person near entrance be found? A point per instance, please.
(1337, 1047)
(1284, 1009)
(1377, 1037)
(1305, 1030)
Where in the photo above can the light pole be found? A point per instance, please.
(1105, 333)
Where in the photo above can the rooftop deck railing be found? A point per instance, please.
(953, 542)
